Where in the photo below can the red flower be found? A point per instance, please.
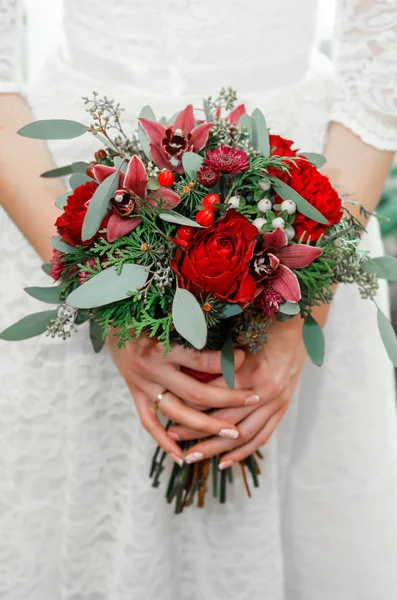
(269, 300)
(70, 223)
(168, 144)
(217, 260)
(280, 146)
(316, 188)
(272, 266)
(226, 160)
(207, 176)
(57, 266)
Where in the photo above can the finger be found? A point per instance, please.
(232, 415)
(153, 426)
(175, 410)
(203, 394)
(248, 429)
(259, 440)
(207, 361)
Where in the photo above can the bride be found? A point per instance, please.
(79, 520)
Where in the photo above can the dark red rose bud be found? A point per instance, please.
(186, 233)
(210, 200)
(205, 217)
(166, 178)
(100, 154)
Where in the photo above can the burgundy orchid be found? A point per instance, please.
(234, 116)
(167, 144)
(131, 193)
(272, 264)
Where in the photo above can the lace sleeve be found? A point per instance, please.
(366, 66)
(12, 40)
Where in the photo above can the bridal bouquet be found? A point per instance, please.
(200, 230)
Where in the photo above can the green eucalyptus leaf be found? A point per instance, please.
(388, 336)
(174, 117)
(30, 326)
(207, 111)
(385, 267)
(98, 206)
(96, 338)
(314, 340)
(172, 217)
(61, 201)
(318, 160)
(191, 163)
(189, 319)
(77, 179)
(82, 316)
(46, 267)
(153, 185)
(58, 172)
(108, 287)
(148, 113)
(260, 134)
(289, 308)
(53, 129)
(80, 167)
(227, 362)
(287, 193)
(58, 244)
(45, 294)
(230, 310)
(246, 121)
(106, 142)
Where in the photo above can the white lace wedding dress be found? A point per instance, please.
(79, 520)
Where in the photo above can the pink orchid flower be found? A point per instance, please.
(236, 113)
(273, 262)
(167, 144)
(130, 195)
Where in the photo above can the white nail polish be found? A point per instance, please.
(225, 464)
(252, 400)
(178, 460)
(230, 434)
(194, 457)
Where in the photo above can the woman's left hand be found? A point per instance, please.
(273, 373)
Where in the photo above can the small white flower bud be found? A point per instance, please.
(234, 201)
(259, 223)
(289, 206)
(289, 232)
(278, 222)
(264, 205)
(264, 185)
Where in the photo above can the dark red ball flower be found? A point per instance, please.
(226, 160)
(70, 223)
(217, 260)
(207, 176)
(269, 300)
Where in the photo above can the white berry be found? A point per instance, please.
(289, 206)
(290, 233)
(259, 223)
(278, 223)
(234, 201)
(264, 205)
(264, 185)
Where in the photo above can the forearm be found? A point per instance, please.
(355, 169)
(27, 198)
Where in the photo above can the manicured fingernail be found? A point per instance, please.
(174, 436)
(230, 434)
(194, 457)
(178, 460)
(252, 400)
(225, 464)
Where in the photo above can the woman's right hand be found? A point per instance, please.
(147, 374)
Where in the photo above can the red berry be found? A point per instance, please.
(181, 243)
(210, 200)
(166, 178)
(185, 233)
(205, 217)
(100, 154)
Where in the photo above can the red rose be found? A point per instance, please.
(70, 223)
(316, 188)
(280, 146)
(217, 260)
